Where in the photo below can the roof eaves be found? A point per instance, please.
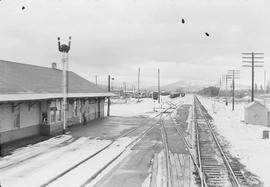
(44, 96)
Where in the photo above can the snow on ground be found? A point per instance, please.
(36, 164)
(46, 161)
(245, 139)
(145, 106)
(133, 108)
(82, 173)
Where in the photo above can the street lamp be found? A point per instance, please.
(64, 49)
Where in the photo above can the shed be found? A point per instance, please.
(256, 114)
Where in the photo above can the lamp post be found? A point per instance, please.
(64, 49)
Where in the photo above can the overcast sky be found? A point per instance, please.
(118, 36)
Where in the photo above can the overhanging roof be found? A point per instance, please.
(30, 96)
(18, 78)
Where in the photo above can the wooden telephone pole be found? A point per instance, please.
(158, 86)
(233, 74)
(251, 60)
(125, 91)
(109, 90)
(139, 74)
(226, 92)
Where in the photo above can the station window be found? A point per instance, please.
(55, 111)
(17, 117)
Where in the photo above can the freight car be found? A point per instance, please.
(155, 95)
(174, 94)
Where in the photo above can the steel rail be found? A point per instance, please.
(203, 181)
(165, 141)
(198, 168)
(99, 151)
(168, 164)
(129, 145)
(103, 149)
(235, 180)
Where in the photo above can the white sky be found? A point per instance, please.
(118, 36)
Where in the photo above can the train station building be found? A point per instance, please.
(31, 100)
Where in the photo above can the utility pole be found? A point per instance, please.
(125, 91)
(219, 85)
(233, 92)
(251, 60)
(64, 49)
(226, 90)
(264, 91)
(158, 86)
(139, 72)
(233, 74)
(226, 84)
(109, 99)
(112, 78)
(96, 79)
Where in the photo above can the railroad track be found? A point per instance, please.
(217, 168)
(139, 137)
(169, 126)
(167, 153)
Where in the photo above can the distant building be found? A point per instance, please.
(31, 100)
(256, 114)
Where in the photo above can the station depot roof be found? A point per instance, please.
(20, 82)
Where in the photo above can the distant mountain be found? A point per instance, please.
(194, 86)
(184, 85)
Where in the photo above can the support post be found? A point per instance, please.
(158, 86)
(125, 91)
(252, 77)
(64, 90)
(64, 49)
(109, 99)
(264, 91)
(139, 73)
(233, 93)
(226, 90)
(253, 60)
